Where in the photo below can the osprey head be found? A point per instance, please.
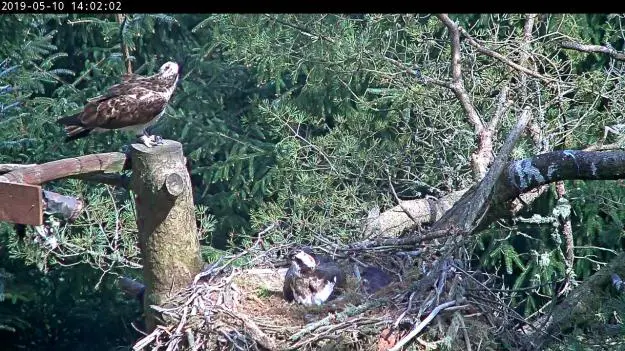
(168, 70)
(304, 260)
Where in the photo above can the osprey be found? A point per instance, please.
(311, 279)
(134, 105)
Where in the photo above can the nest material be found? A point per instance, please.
(228, 308)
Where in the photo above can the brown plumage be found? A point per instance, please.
(311, 279)
(133, 105)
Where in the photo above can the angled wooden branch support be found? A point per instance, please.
(24, 202)
(112, 162)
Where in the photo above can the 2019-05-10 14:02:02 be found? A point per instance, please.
(69, 6)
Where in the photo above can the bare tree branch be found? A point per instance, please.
(600, 49)
(456, 69)
(567, 232)
(302, 30)
(526, 176)
(414, 73)
(483, 156)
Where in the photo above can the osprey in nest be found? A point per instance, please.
(133, 105)
(312, 279)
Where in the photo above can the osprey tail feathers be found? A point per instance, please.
(73, 127)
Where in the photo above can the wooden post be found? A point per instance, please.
(168, 240)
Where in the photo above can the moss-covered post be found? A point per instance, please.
(170, 249)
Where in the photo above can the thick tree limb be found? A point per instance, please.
(600, 49)
(527, 174)
(89, 167)
(111, 162)
(468, 212)
(519, 177)
(395, 220)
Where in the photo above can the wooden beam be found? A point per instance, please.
(111, 162)
(21, 203)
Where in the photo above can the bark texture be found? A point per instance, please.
(168, 240)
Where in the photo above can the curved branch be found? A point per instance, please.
(83, 165)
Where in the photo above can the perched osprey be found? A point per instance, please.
(133, 105)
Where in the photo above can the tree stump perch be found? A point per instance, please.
(166, 221)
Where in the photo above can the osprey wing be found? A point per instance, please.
(133, 106)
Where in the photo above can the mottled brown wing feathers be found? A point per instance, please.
(122, 106)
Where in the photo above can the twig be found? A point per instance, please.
(494, 54)
(421, 325)
(296, 134)
(415, 73)
(255, 332)
(503, 104)
(86, 73)
(398, 242)
(349, 313)
(467, 340)
(302, 30)
(399, 201)
(141, 344)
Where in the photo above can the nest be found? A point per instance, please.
(233, 308)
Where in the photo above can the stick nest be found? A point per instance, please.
(235, 308)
